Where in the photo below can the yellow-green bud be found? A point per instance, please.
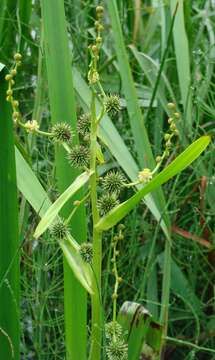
(13, 72)
(17, 57)
(170, 120)
(100, 27)
(94, 49)
(15, 115)
(8, 98)
(8, 77)
(167, 136)
(12, 82)
(9, 92)
(168, 143)
(171, 106)
(173, 126)
(16, 103)
(99, 11)
(98, 40)
(76, 202)
(158, 159)
(176, 115)
(114, 296)
(120, 279)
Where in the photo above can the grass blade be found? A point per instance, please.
(56, 207)
(62, 103)
(9, 236)
(182, 59)
(176, 166)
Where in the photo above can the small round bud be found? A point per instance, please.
(9, 92)
(8, 98)
(115, 238)
(158, 159)
(76, 202)
(15, 115)
(114, 296)
(12, 82)
(96, 23)
(176, 115)
(99, 11)
(171, 106)
(17, 57)
(170, 120)
(8, 77)
(112, 260)
(168, 144)
(120, 279)
(15, 103)
(166, 136)
(145, 175)
(172, 126)
(13, 72)
(100, 28)
(117, 252)
(121, 227)
(99, 40)
(94, 49)
(19, 63)
(121, 237)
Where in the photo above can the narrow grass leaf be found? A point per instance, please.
(63, 109)
(56, 207)
(182, 59)
(180, 163)
(29, 185)
(9, 236)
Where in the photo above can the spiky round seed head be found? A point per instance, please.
(86, 252)
(145, 175)
(8, 77)
(59, 230)
(61, 133)
(107, 202)
(113, 328)
(171, 106)
(117, 350)
(13, 72)
(113, 182)
(17, 57)
(83, 125)
(79, 156)
(112, 104)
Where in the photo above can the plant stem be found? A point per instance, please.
(96, 335)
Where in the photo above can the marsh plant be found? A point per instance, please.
(101, 195)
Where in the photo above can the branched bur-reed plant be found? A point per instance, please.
(103, 194)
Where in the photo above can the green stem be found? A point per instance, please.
(96, 335)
